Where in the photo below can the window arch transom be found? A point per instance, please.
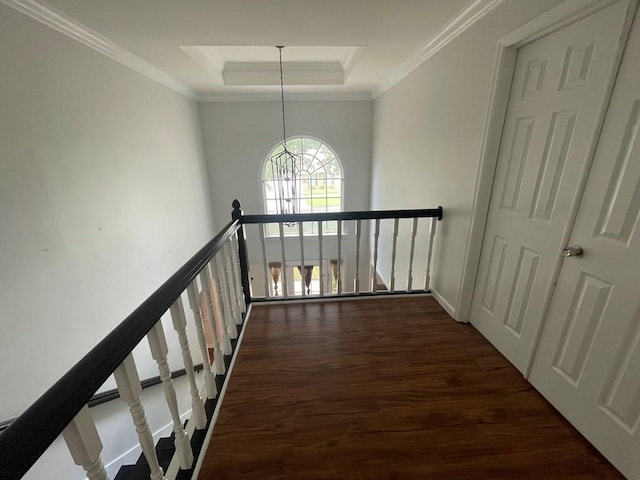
(319, 179)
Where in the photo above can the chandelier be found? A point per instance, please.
(285, 165)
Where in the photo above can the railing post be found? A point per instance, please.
(179, 320)
(218, 354)
(159, 350)
(128, 382)
(209, 372)
(85, 445)
(242, 252)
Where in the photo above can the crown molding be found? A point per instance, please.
(289, 97)
(73, 29)
(462, 21)
(296, 73)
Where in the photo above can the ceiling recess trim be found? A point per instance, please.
(70, 27)
(289, 97)
(75, 30)
(463, 20)
(296, 73)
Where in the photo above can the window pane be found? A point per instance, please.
(310, 145)
(318, 185)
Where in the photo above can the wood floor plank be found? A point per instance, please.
(385, 389)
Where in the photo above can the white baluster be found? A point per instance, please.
(220, 313)
(180, 325)
(338, 275)
(376, 238)
(432, 234)
(393, 254)
(231, 286)
(285, 286)
(235, 262)
(302, 266)
(356, 287)
(320, 258)
(209, 373)
(267, 283)
(236, 316)
(414, 229)
(218, 355)
(128, 382)
(227, 308)
(84, 444)
(159, 350)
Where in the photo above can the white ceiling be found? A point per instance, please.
(226, 47)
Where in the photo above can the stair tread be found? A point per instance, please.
(164, 450)
(133, 472)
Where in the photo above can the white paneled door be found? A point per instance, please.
(557, 92)
(588, 360)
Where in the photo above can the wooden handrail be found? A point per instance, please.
(113, 394)
(358, 215)
(31, 433)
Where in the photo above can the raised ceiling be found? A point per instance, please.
(226, 47)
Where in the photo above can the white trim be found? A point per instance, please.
(496, 111)
(444, 303)
(288, 67)
(350, 60)
(216, 97)
(559, 17)
(75, 30)
(251, 74)
(335, 298)
(463, 20)
(568, 12)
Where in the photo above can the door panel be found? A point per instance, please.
(557, 92)
(588, 360)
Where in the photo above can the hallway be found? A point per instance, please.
(385, 388)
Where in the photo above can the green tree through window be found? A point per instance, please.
(319, 185)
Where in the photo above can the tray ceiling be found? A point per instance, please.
(226, 47)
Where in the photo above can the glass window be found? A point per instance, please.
(318, 186)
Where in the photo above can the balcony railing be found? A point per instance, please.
(335, 260)
(237, 267)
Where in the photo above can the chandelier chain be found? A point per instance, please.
(284, 125)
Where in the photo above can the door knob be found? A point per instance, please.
(572, 251)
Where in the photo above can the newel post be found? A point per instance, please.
(242, 252)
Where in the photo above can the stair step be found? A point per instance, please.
(133, 472)
(164, 450)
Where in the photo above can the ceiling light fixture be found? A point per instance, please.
(285, 165)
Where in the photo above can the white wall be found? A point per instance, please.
(103, 195)
(428, 132)
(238, 137)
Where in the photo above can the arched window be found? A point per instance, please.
(319, 186)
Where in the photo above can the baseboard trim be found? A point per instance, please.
(445, 304)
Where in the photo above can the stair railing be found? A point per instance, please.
(63, 409)
(313, 247)
(218, 285)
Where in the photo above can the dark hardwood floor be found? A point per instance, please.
(385, 389)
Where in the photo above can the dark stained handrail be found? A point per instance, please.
(31, 433)
(362, 215)
(113, 394)
(28, 436)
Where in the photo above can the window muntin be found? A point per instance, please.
(319, 186)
